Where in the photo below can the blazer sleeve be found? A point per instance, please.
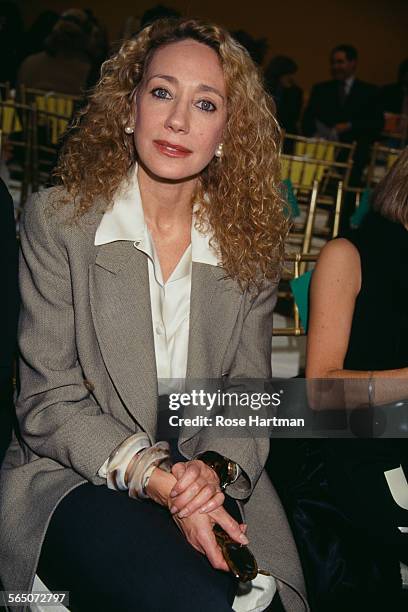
(58, 417)
(10, 301)
(251, 367)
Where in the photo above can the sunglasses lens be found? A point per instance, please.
(241, 561)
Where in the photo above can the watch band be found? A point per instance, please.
(226, 470)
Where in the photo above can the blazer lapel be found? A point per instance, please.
(214, 307)
(120, 304)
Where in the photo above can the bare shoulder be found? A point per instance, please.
(339, 252)
(339, 263)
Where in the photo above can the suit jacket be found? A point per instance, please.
(361, 108)
(88, 380)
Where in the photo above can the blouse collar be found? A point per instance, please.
(125, 221)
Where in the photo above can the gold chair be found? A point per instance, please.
(300, 235)
(315, 159)
(382, 158)
(51, 101)
(16, 124)
(293, 265)
(303, 235)
(49, 129)
(5, 91)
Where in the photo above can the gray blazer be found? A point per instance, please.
(88, 380)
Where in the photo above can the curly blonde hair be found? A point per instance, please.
(242, 207)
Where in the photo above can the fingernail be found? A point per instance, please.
(243, 539)
(204, 509)
(182, 514)
(173, 509)
(173, 494)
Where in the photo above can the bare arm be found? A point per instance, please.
(335, 286)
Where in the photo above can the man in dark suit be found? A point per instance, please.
(345, 109)
(8, 314)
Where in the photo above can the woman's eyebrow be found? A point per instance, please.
(203, 87)
(200, 87)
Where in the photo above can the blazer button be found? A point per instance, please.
(90, 386)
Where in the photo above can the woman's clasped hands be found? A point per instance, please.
(197, 489)
(193, 495)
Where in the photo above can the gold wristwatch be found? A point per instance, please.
(226, 470)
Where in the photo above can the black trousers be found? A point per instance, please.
(117, 554)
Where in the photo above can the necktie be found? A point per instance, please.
(342, 92)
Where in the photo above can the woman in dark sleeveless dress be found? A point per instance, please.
(347, 521)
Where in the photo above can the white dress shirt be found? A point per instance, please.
(348, 84)
(170, 301)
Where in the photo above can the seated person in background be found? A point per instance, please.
(345, 108)
(65, 64)
(358, 330)
(169, 204)
(288, 96)
(8, 315)
(394, 97)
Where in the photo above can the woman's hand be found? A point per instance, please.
(198, 530)
(197, 488)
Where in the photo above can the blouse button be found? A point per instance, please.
(159, 330)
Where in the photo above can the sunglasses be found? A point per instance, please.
(238, 557)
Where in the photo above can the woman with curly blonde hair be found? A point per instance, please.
(153, 264)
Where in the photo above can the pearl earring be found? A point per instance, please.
(129, 129)
(218, 150)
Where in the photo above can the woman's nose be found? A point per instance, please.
(178, 118)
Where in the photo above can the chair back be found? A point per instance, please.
(382, 158)
(48, 133)
(319, 223)
(5, 91)
(61, 104)
(315, 159)
(16, 124)
(295, 293)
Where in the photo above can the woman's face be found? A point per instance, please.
(181, 110)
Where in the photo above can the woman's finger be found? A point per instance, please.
(199, 488)
(230, 525)
(215, 502)
(191, 473)
(209, 494)
(211, 550)
(178, 469)
(182, 499)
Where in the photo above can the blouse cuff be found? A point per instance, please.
(119, 459)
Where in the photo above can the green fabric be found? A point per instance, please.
(362, 210)
(293, 210)
(300, 289)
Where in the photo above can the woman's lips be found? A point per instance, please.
(171, 150)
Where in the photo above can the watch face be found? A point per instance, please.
(232, 471)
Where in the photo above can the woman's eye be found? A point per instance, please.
(206, 105)
(160, 92)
